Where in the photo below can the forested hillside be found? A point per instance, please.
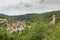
(33, 17)
(37, 27)
(45, 17)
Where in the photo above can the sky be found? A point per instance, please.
(18, 7)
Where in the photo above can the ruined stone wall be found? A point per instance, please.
(53, 22)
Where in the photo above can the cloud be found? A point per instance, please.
(17, 7)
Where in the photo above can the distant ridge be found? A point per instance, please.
(34, 17)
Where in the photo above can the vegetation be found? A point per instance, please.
(38, 27)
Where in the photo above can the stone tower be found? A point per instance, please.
(53, 22)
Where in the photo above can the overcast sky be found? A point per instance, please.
(18, 7)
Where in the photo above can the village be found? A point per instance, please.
(12, 27)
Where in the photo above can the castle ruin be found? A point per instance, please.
(53, 22)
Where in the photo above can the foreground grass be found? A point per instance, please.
(38, 31)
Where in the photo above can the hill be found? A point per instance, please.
(37, 28)
(34, 17)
